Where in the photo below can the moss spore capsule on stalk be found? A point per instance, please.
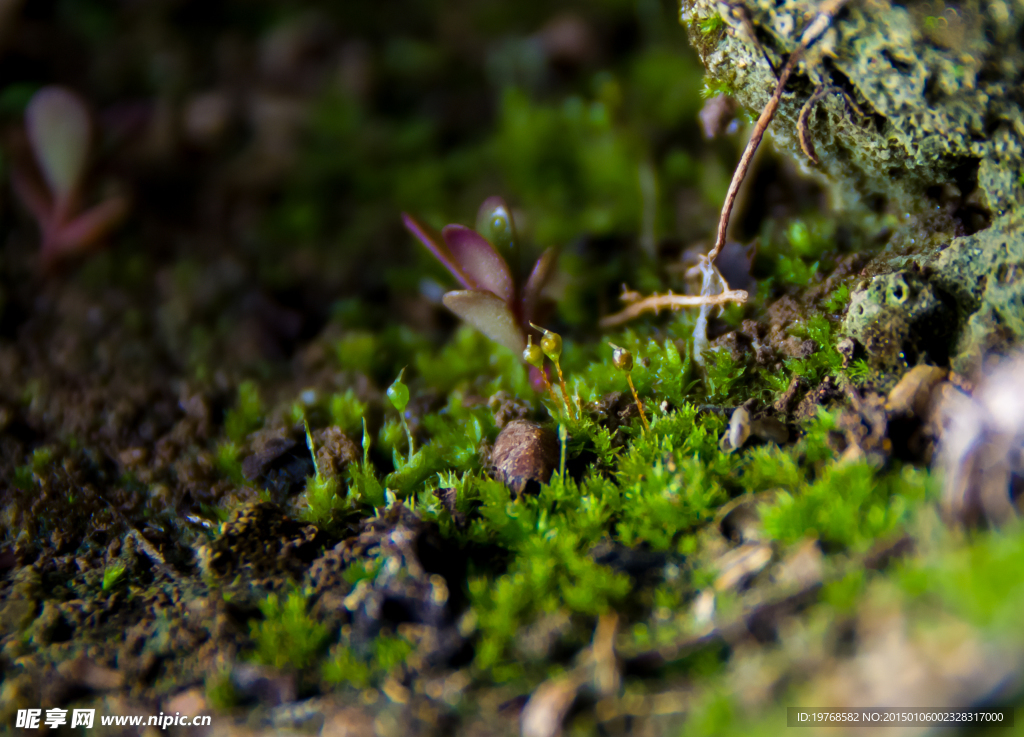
(398, 393)
(533, 355)
(622, 359)
(551, 344)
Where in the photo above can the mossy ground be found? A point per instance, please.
(210, 502)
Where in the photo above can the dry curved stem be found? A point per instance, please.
(814, 30)
(657, 302)
(803, 129)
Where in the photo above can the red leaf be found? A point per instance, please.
(436, 245)
(489, 314)
(479, 261)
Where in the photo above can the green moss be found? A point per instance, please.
(288, 637)
(24, 478)
(344, 667)
(357, 351)
(663, 88)
(221, 692)
(979, 581)
(849, 505)
(716, 87)
(470, 358)
(670, 479)
(711, 26)
(361, 570)
(551, 572)
(388, 654)
(725, 379)
(113, 575)
(247, 414)
(837, 300)
(322, 500)
(770, 467)
(826, 361)
(347, 412)
(229, 462)
(364, 486)
(41, 458)
(844, 594)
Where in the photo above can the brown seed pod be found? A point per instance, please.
(524, 456)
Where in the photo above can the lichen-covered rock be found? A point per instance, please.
(921, 95)
(971, 304)
(900, 319)
(984, 272)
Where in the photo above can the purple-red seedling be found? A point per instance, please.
(489, 300)
(59, 131)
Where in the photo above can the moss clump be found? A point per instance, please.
(113, 575)
(870, 506)
(246, 415)
(388, 655)
(288, 637)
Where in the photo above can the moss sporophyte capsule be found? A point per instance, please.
(533, 355)
(551, 345)
(398, 393)
(622, 359)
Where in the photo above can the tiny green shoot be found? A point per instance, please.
(398, 393)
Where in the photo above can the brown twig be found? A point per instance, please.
(814, 30)
(657, 302)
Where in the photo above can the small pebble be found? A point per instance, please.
(738, 432)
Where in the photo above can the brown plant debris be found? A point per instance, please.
(524, 456)
(637, 305)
